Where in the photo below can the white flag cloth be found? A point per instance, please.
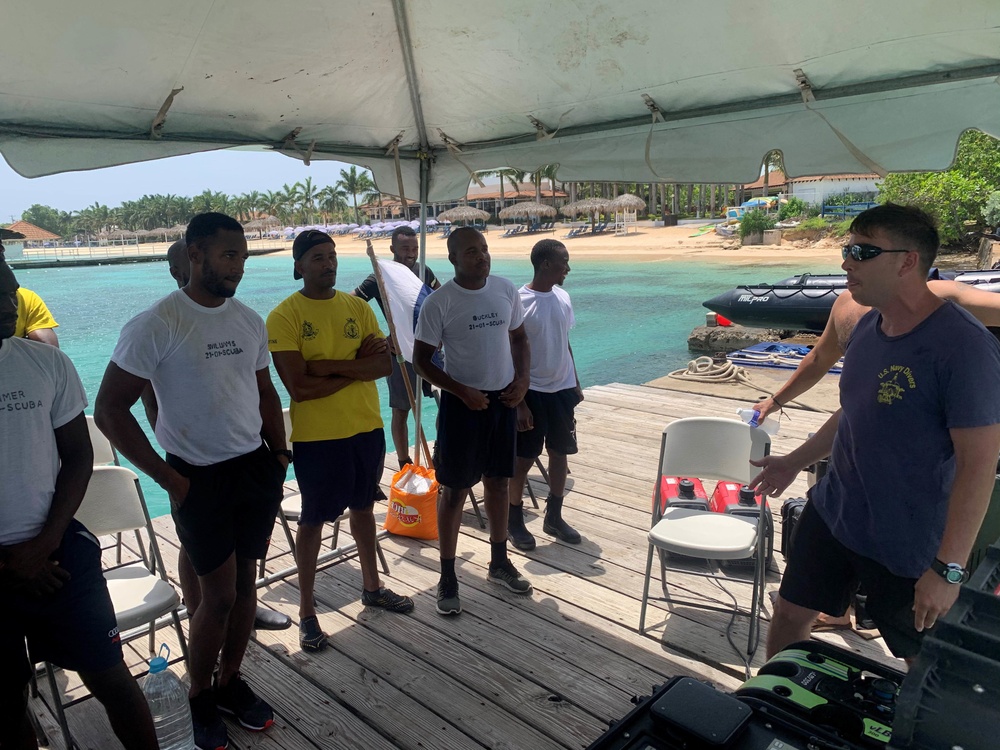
(406, 294)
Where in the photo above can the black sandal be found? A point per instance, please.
(311, 635)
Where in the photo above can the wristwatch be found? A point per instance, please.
(284, 452)
(951, 572)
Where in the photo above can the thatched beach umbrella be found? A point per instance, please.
(627, 202)
(262, 223)
(463, 213)
(585, 206)
(527, 209)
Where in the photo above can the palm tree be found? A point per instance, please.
(330, 200)
(514, 176)
(544, 172)
(305, 198)
(356, 183)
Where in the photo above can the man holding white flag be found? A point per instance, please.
(406, 295)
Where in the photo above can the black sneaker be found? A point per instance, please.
(448, 602)
(209, 730)
(506, 574)
(238, 700)
(387, 600)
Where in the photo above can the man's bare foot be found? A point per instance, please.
(827, 622)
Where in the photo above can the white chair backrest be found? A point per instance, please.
(112, 503)
(103, 452)
(712, 448)
(287, 416)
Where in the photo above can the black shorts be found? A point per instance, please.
(230, 507)
(823, 574)
(474, 444)
(398, 398)
(555, 425)
(74, 628)
(335, 475)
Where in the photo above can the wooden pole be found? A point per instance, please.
(421, 440)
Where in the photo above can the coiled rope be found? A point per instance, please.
(706, 370)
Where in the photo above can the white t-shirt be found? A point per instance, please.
(548, 316)
(203, 363)
(40, 392)
(474, 326)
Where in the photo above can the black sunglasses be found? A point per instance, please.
(862, 252)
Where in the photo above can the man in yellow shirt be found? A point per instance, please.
(34, 321)
(328, 351)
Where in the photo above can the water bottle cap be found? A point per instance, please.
(159, 663)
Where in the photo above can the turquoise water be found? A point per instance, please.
(633, 318)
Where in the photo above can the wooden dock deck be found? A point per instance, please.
(545, 671)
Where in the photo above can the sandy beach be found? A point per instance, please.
(652, 244)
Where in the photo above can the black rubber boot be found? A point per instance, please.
(517, 532)
(554, 523)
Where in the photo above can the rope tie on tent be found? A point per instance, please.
(657, 117)
(808, 97)
(456, 154)
(309, 152)
(393, 148)
(542, 133)
(706, 370)
(156, 129)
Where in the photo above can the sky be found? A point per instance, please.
(229, 171)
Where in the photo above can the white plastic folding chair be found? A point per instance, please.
(709, 448)
(141, 595)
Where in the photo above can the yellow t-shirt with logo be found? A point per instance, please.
(327, 329)
(32, 314)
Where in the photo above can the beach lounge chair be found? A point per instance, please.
(509, 231)
(140, 591)
(709, 448)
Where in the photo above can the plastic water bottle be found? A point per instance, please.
(752, 418)
(168, 703)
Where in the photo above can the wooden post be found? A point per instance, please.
(421, 440)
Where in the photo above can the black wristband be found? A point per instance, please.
(284, 452)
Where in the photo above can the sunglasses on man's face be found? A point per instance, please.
(861, 252)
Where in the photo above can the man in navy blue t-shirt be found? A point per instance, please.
(913, 449)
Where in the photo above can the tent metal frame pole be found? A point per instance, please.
(425, 181)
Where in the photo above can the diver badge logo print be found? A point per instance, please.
(308, 331)
(351, 329)
(895, 381)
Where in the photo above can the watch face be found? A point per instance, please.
(954, 575)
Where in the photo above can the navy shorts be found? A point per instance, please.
(823, 574)
(398, 397)
(74, 628)
(555, 425)
(230, 507)
(474, 444)
(335, 475)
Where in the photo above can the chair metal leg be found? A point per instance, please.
(336, 534)
(475, 507)
(531, 492)
(288, 531)
(541, 468)
(57, 706)
(180, 636)
(381, 557)
(645, 592)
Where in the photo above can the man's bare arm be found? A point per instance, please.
(113, 414)
(985, 306)
(45, 336)
(272, 422)
(425, 367)
(976, 451)
(28, 564)
(302, 386)
(372, 362)
(813, 366)
(520, 351)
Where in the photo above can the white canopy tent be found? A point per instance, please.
(641, 91)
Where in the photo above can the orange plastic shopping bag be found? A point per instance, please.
(413, 503)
